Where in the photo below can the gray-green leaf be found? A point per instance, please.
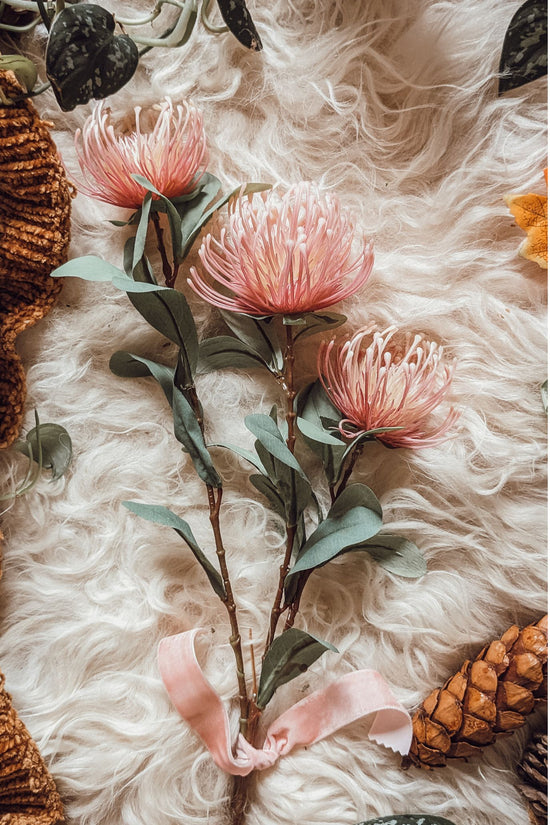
(225, 351)
(128, 365)
(188, 433)
(396, 554)
(56, 446)
(259, 335)
(162, 515)
(290, 654)
(92, 268)
(354, 517)
(316, 322)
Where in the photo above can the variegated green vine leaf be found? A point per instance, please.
(239, 22)
(85, 58)
(524, 54)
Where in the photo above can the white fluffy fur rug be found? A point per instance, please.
(392, 105)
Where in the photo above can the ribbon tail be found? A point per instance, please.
(197, 702)
(346, 700)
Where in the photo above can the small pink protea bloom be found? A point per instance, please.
(283, 254)
(171, 154)
(376, 380)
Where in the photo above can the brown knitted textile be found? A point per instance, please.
(35, 203)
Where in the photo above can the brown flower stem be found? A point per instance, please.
(290, 393)
(214, 503)
(166, 268)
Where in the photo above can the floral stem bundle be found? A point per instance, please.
(279, 264)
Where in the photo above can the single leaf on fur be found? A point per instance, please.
(409, 819)
(239, 22)
(531, 214)
(395, 554)
(92, 268)
(188, 433)
(290, 654)
(544, 395)
(128, 365)
(524, 54)
(162, 515)
(55, 445)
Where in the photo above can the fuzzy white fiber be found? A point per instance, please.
(392, 105)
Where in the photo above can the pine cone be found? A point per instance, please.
(533, 769)
(487, 698)
(27, 791)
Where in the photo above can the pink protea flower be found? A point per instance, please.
(172, 154)
(376, 380)
(283, 254)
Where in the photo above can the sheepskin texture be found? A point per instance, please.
(392, 105)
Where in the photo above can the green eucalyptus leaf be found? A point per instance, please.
(355, 516)
(315, 407)
(168, 312)
(141, 233)
(247, 189)
(128, 365)
(259, 335)
(396, 554)
(268, 434)
(55, 443)
(290, 654)
(92, 268)
(225, 351)
(267, 488)
(544, 395)
(408, 819)
(162, 515)
(188, 432)
(174, 219)
(524, 54)
(294, 321)
(316, 322)
(23, 68)
(319, 434)
(247, 454)
(191, 211)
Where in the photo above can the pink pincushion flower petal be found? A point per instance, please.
(172, 155)
(283, 254)
(376, 382)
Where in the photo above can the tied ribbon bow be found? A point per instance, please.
(320, 714)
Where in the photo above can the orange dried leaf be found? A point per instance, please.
(531, 214)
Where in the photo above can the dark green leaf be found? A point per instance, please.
(268, 489)
(269, 435)
(354, 517)
(188, 433)
(396, 554)
(141, 234)
(162, 515)
(128, 365)
(260, 336)
(225, 351)
(84, 57)
(174, 220)
(409, 819)
(238, 20)
(320, 322)
(294, 321)
(191, 211)
(524, 54)
(168, 312)
(249, 456)
(55, 444)
(290, 654)
(246, 189)
(315, 407)
(316, 433)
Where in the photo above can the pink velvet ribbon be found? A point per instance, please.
(320, 714)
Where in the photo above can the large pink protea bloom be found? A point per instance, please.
(171, 154)
(283, 254)
(376, 380)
